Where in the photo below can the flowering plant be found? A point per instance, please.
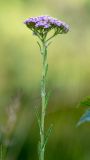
(41, 26)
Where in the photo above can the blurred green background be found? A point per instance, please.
(68, 79)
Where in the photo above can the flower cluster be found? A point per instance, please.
(46, 23)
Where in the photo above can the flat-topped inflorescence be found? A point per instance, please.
(41, 25)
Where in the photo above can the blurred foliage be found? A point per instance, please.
(86, 116)
(68, 78)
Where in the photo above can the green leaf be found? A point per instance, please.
(40, 47)
(48, 43)
(84, 118)
(38, 117)
(85, 102)
(47, 98)
(48, 133)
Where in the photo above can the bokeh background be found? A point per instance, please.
(68, 80)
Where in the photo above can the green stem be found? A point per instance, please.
(43, 97)
(51, 36)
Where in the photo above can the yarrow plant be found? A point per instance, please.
(40, 27)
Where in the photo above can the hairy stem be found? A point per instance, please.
(43, 97)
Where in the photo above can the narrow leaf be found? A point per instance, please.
(48, 43)
(47, 98)
(38, 117)
(39, 47)
(48, 133)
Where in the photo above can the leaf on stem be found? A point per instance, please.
(48, 43)
(48, 133)
(40, 47)
(47, 98)
(38, 117)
